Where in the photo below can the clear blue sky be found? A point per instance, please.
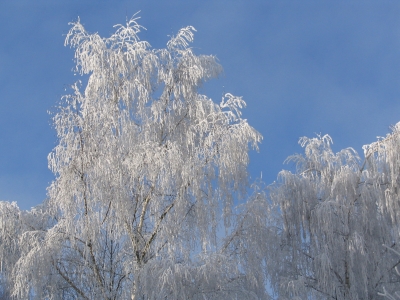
(303, 67)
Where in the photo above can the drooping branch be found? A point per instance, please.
(70, 282)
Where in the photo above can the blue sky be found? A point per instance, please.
(303, 67)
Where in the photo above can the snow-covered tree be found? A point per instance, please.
(335, 215)
(11, 228)
(147, 174)
(149, 197)
(18, 229)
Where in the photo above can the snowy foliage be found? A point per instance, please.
(146, 171)
(150, 195)
(336, 215)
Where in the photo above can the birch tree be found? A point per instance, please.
(18, 229)
(11, 227)
(147, 171)
(336, 215)
(150, 196)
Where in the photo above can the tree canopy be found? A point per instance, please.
(151, 198)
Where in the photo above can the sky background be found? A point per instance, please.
(303, 67)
